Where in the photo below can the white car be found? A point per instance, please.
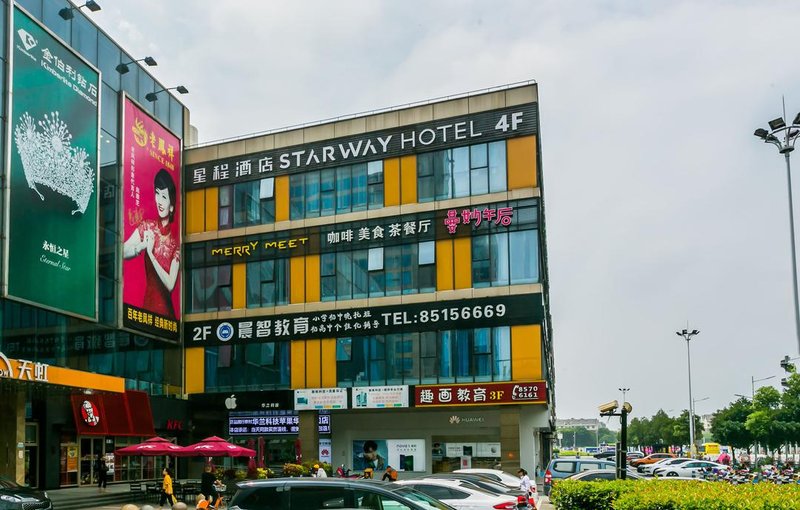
(459, 496)
(509, 480)
(692, 469)
(649, 469)
(503, 478)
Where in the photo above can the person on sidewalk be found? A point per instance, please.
(102, 474)
(167, 494)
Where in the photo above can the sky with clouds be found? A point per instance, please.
(662, 207)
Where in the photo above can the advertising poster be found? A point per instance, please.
(325, 448)
(378, 454)
(151, 224)
(379, 397)
(322, 398)
(51, 238)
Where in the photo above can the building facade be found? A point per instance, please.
(375, 288)
(77, 381)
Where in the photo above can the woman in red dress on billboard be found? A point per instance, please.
(161, 247)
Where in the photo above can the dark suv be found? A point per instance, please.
(324, 493)
(13, 496)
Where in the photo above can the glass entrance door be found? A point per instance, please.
(91, 448)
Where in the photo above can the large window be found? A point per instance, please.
(381, 271)
(337, 190)
(247, 203)
(208, 289)
(505, 258)
(468, 355)
(268, 283)
(460, 172)
(247, 367)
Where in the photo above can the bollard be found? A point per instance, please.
(147, 507)
(130, 506)
(180, 505)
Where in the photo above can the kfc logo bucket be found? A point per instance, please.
(89, 413)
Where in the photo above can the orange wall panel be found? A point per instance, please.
(391, 182)
(297, 268)
(195, 211)
(444, 264)
(212, 209)
(195, 369)
(526, 353)
(462, 255)
(239, 285)
(408, 179)
(312, 279)
(313, 363)
(521, 160)
(282, 198)
(328, 363)
(298, 364)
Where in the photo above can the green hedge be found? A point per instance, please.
(673, 495)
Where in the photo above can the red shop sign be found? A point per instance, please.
(481, 394)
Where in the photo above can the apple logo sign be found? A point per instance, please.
(230, 402)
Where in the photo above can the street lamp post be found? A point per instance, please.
(687, 335)
(784, 137)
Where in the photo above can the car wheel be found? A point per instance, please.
(672, 473)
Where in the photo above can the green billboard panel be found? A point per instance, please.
(51, 238)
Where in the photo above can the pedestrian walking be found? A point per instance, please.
(167, 494)
(525, 483)
(102, 474)
(208, 487)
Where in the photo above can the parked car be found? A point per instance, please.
(602, 474)
(307, 493)
(562, 468)
(652, 459)
(691, 469)
(498, 475)
(634, 455)
(485, 483)
(15, 496)
(609, 455)
(460, 496)
(648, 469)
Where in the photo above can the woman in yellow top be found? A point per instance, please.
(167, 494)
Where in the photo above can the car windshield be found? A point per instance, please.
(422, 499)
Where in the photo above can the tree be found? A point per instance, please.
(762, 422)
(728, 425)
(680, 428)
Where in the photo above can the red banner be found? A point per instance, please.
(113, 414)
(481, 394)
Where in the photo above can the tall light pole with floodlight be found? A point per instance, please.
(784, 137)
(687, 335)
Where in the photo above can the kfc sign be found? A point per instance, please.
(89, 413)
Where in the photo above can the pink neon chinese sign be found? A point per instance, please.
(500, 216)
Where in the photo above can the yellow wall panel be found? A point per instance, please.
(298, 364)
(195, 373)
(297, 267)
(526, 353)
(239, 285)
(281, 198)
(313, 363)
(312, 278)
(212, 209)
(328, 363)
(444, 264)
(462, 256)
(195, 211)
(521, 160)
(408, 179)
(391, 181)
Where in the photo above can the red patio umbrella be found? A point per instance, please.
(153, 447)
(214, 447)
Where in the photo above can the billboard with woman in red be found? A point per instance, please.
(151, 226)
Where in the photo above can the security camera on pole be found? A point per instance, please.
(609, 409)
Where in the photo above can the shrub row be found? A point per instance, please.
(664, 494)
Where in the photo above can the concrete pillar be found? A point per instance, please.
(309, 435)
(509, 438)
(12, 435)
